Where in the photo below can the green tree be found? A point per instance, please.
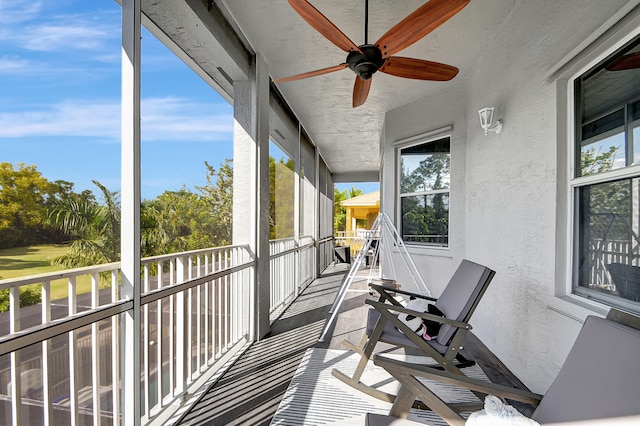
(94, 228)
(281, 197)
(183, 220)
(339, 212)
(612, 197)
(593, 162)
(426, 214)
(153, 236)
(429, 175)
(170, 220)
(218, 197)
(354, 192)
(608, 205)
(25, 196)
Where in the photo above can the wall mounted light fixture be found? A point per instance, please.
(486, 121)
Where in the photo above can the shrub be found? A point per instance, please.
(28, 296)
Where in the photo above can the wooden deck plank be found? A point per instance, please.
(250, 392)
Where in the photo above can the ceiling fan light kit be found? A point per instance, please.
(366, 59)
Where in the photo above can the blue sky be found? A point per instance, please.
(60, 100)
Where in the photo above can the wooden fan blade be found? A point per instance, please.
(323, 25)
(418, 24)
(418, 69)
(627, 62)
(312, 73)
(360, 91)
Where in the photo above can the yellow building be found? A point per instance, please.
(366, 207)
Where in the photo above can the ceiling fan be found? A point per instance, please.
(366, 59)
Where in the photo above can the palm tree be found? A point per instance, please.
(354, 192)
(94, 228)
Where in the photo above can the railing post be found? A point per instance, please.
(181, 318)
(209, 311)
(144, 351)
(296, 266)
(16, 382)
(188, 268)
(159, 337)
(95, 351)
(73, 378)
(46, 352)
(115, 354)
(227, 308)
(198, 291)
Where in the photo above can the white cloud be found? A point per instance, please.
(52, 37)
(179, 119)
(81, 35)
(163, 119)
(16, 65)
(68, 118)
(17, 11)
(29, 26)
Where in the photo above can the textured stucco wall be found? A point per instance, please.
(440, 110)
(505, 187)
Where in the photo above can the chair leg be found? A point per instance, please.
(357, 349)
(437, 405)
(365, 349)
(403, 403)
(362, 387)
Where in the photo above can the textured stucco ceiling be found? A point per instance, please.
(348, 138)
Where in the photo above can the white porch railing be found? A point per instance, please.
(602, 253)
(354, 239)
(60, 359)
(292, 266)
(325, 252)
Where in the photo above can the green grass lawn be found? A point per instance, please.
(33, 260)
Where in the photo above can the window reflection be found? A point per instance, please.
(424, 192)
(609, 244)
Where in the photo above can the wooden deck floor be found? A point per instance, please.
(250, 392)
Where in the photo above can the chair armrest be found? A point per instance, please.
(385, 296)
(385, 290)
(401, 369)
(400, 309)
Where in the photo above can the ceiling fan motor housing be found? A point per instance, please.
(366, 62)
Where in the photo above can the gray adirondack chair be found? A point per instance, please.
(458, 301)
(598, 382)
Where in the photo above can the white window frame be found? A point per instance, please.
(410, 142)
(575, 182)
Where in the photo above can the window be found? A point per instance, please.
(424, 193)
(282, 176)
(606, 181)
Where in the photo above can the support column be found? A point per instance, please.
(349, 222)
(130, 205)
(316, 214)
(251, 185)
